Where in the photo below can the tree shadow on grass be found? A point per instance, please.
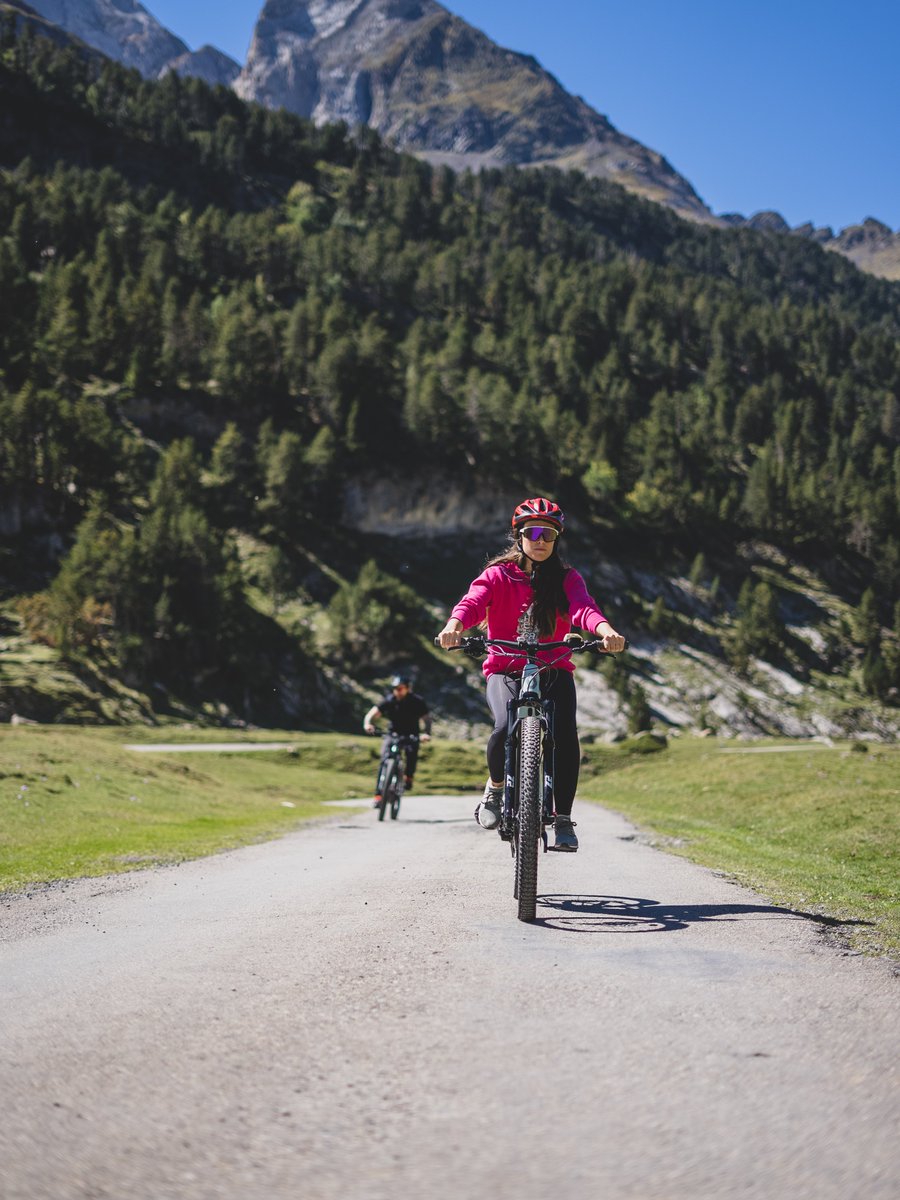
(633, 914)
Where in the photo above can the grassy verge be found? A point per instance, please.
(815, 829)
(75, 802)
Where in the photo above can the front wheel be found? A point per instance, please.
(388, 787)
(528, 822)
(395, 798)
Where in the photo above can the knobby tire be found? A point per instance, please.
(388, 783)
(395, 798)
(528, 831)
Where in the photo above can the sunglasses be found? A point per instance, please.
(540, 533)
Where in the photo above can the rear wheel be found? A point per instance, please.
(528, 824)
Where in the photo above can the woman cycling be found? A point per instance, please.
(532, 580)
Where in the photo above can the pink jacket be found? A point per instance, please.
(502, 593)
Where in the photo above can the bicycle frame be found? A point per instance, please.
(399, 742)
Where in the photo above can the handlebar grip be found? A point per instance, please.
(437, 642)
(598, 650)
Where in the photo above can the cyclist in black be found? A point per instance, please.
(404, 709)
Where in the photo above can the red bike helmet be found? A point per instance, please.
(538, 509)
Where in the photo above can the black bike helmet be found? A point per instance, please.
(400, 680)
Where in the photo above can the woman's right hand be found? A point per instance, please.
(451, 634)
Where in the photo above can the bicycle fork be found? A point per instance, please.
(549, 756)
(517, 709)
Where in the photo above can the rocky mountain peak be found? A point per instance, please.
(768, 221)
(125, 31)
(435, 86)
(312, 56)
(430, 83)
(307, 18)
(121, 29)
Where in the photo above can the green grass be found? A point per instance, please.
(817, 830)
(75, 802)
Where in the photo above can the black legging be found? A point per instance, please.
(558, 686)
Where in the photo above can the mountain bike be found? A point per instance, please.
(528, 802)
(391, 774)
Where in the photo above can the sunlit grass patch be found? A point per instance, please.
(76, 802)
(815, 829)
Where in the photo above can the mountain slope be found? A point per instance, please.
(432, 84)
(426, 80)
(25, 16)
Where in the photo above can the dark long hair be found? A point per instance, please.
(547, 580)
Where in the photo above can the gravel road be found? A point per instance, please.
(354, 1012)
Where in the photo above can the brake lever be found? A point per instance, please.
(474, 647)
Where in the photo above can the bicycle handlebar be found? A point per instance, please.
(478, 644)
(402, 736)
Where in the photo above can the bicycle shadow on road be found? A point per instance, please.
(633, 914)
(436, 820)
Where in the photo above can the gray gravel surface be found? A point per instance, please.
(353, 1011)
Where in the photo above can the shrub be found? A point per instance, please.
(372, 621)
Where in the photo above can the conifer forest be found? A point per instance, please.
(215, 318)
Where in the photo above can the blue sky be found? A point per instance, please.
(791, 105)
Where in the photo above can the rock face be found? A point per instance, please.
(208, 64)
(125, 31)
(121, 29)
(23, 15)
(435, 86)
